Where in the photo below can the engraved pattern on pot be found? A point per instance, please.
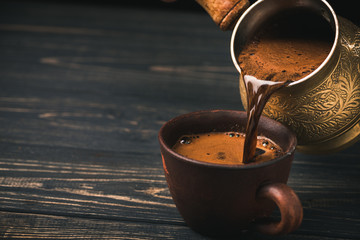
(330, 108)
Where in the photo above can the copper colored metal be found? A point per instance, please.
(223, 200)
(323, 107)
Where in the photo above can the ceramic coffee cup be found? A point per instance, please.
(223, 200)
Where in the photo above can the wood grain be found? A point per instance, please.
(83, 93)
(51, 227)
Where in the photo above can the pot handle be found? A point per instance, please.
(289, 205)
(224, 12)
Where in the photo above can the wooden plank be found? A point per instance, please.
(93, 183)
(35, 226)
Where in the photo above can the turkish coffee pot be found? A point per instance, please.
(323, 108)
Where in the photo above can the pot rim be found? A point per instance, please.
(321, 66)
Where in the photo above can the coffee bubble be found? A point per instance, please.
(185, 140)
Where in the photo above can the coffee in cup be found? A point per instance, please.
(224, 147)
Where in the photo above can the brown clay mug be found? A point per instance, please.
(223, 200)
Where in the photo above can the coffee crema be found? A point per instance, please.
(224, 148)
(288, 46)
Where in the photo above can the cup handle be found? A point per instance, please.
(289, 205)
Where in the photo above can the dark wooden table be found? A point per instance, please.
(84, 90)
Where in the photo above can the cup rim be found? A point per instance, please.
(217, 165)
(318, 69)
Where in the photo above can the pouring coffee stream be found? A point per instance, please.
(258, 93)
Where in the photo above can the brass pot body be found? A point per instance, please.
(323, 108)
